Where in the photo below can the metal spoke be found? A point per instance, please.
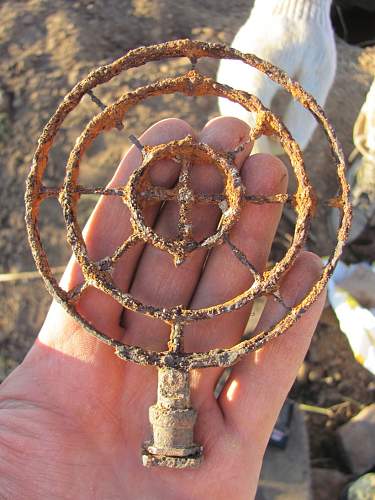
(164, 194)
(232, 154)
(276, 198)
(242, 258)
(95, 99)
(193, 61)
(49, 192)
(136, 142)
(54, 192)
(132, 240)
(158, 193)
(176, 338)
(101, 191)
(277, 296)
(185, 198)
(76, 292)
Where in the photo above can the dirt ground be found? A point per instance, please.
(45, 48)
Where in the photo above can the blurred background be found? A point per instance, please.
(45, 48)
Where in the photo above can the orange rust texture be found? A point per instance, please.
(137, 194)
(172, 417)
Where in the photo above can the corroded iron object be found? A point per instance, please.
(172, 420)
(172, 417)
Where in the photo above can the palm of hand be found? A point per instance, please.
(73, 416)
(77, 441)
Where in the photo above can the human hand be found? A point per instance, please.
(296, 36)
(73, 416)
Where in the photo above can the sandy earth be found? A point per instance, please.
(45, 48)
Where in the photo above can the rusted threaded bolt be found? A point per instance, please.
(173, 419)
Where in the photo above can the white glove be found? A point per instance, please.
(297, 36)
(364, 128)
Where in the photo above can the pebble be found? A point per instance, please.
(303, 373)
(357, 439)
(327, 483)
(361, 489)
(316, 374)
(329, 380)
(337, 377)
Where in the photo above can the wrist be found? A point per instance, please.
(304, 10)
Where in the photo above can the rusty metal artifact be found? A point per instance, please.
(172, 417)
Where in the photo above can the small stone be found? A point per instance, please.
(327, 483)
(303, 372)
(329, 380)
(357, 440)
(316, 374)
(361, 284)
(330, 424)
(363, 488)
(337, 377)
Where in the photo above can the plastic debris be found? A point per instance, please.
(349, 298)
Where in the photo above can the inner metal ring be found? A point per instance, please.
(187, 148)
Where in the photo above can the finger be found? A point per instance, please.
(109, 226)
(225, 276)
(157, 280)
(258, 385)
